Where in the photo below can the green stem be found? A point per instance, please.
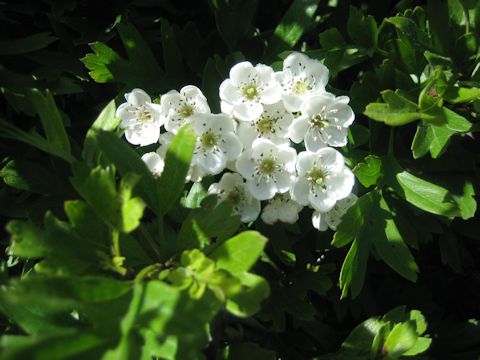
(467, 20)
(146, 271)
(151, 242)
(116, 243)
(391, 139)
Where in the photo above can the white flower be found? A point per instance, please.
(281, 208)
(217, 142)
(248, 89)
(272, 124)
(324, 121)
(140, 117)
(268, 168)
(332, 218)
(300, 78)
(322, 179)
(180, 108)
(154, 162)
(232, 188)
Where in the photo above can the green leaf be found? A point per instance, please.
(177, 162)
(402, 337)
(370, 171)
(205, 224)
(392, 249)
(248, 301)
(27, 240)
(428, 196)
(458, 95)
(30, 176)
(396, 110)
(106, 65)
(362, 29)
(172, 57)
(27, 44)
(298, 19)
(126, 160)
(370, 222)
(106, 121)
(234, 19)
(240, 253)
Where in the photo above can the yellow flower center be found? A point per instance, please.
(268, 166)
(317, 121)
(143, 114)
(265, 125)
(186, 111)
(300, 87)
(208, 140)
(250, 92)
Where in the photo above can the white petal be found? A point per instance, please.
(143, 135)
(154, 162)
(330, 159)
(262, 189)
(322, 201)
(245, 165)
(313, 142)
(263, 147)
(242, 73)
(336, 136)
(318, 221)
(247, 134)
(231, 146)
(229, 92)
(137, 97)
(250, 210)
(213, 162)
(271, 94)
(316, 69)
(300, 191)
(305, 162)
(341, 184)
(247, 111)
(340, 114)
(125, 112)
(284, 181)
(314, 105)
(292, 102)
(296, 62)
(221, 123)
(288, 156)
(226, 107)
(298, 129)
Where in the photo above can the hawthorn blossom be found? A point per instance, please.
(155, 163)
(324, 121)
(322, 179)
(181, 107)
(232, 189)
(217, 142)
(272, 124)
(268, 168)
(332, 218)
(281, 208)
(140, 118)
(301, 77)
(248, 89)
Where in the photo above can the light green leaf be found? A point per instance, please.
(396, 110)
(177, 162)
(298, 19)
(240, 253)
(106, 121)
(402, 338)
(370, 171)
(458, 95)
(427, 196)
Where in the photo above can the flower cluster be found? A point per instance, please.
(276, 135)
